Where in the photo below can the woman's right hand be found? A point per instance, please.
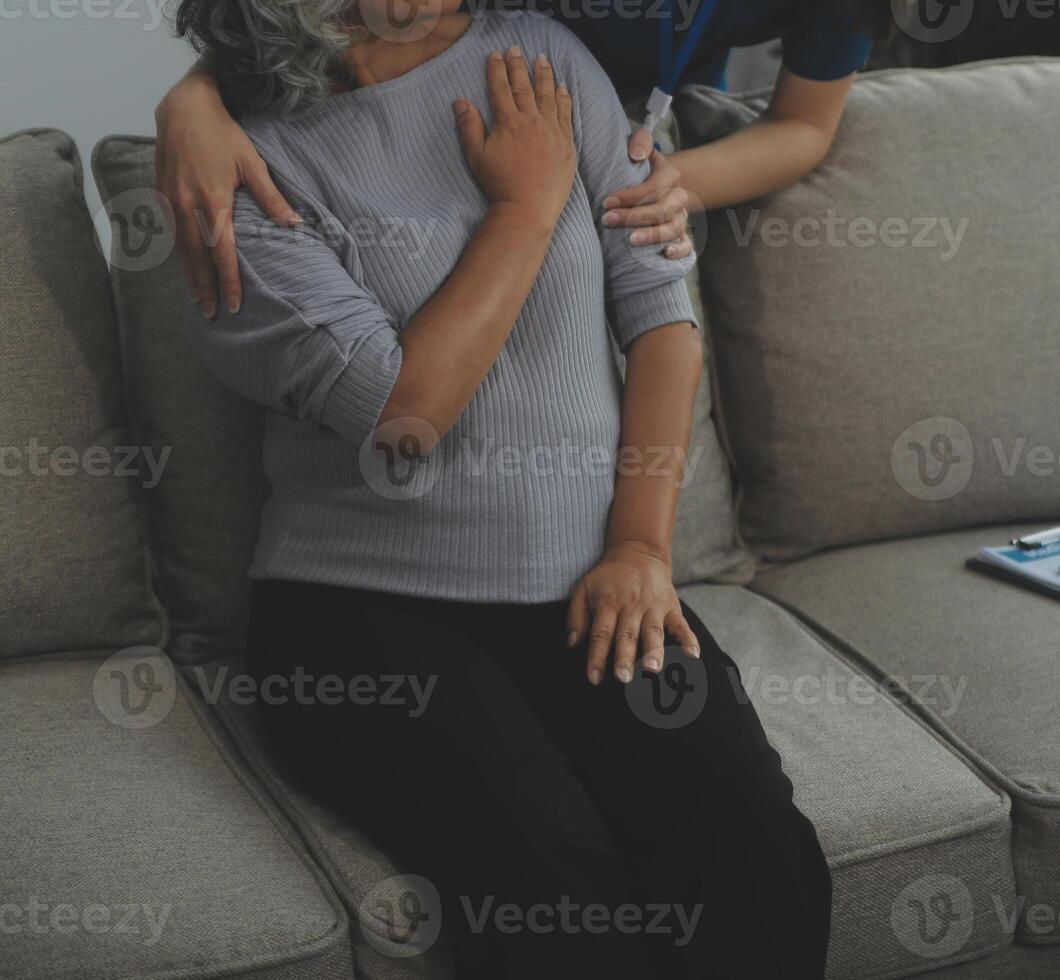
(202, 157)
(528, 157)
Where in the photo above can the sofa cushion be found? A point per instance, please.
(74, 571)
(897, 811)
(886, 329)
(901, 818)
(203, 517)
(143, 849)
(977, 657)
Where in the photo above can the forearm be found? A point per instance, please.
(766, 156)
(450, 345)
(663, 367)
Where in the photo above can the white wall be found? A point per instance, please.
(89, 67)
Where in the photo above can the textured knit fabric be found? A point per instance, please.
(512, 505)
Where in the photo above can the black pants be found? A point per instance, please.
(570, 830)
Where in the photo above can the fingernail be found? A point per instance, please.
(515, 51)
(542, 60)
(594, 677)
(624, 675)
(637, 154)
(638, 238)
(693, 651)
(653, 664)
(611, 218)
(233, 304)
(611, 202)
(670, 251)
(459, 107)
(572, 638)
(496, 56)
(209, 310)
(293, 218)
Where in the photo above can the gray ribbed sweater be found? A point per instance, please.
(512, 505)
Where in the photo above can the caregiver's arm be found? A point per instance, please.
(786, 142)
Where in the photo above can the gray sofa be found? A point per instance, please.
(145, 831)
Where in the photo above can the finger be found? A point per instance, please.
(226, 264)
(545, 87)
(670, 230)
(577, 616)
(519, 79)
(664, 206)
(601, 633)
(198, 266)
(469, 126)
(640, 145)
(627, 635)
(653, 639)
(677, 626)
(273, 203)
(564, 109)
(679, 249)
(500, 92)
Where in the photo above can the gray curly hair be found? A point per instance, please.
(271, 56)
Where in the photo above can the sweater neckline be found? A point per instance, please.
(415, 74)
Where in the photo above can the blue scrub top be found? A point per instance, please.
(819, 43)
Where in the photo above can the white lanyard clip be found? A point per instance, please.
(657, 108)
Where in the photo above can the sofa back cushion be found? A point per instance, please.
(203, 517)
(74, 574)
(887, 331)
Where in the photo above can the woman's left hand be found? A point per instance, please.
(625, 602)
(657, 209)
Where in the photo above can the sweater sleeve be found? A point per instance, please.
(643, 288)
(310, 340)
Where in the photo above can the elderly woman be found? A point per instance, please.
(470, 513)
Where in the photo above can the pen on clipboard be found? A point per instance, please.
(1032, 542)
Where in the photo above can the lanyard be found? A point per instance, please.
(670, 68)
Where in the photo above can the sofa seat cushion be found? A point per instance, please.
(140, 846)
(978, 658)
(896, 809)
